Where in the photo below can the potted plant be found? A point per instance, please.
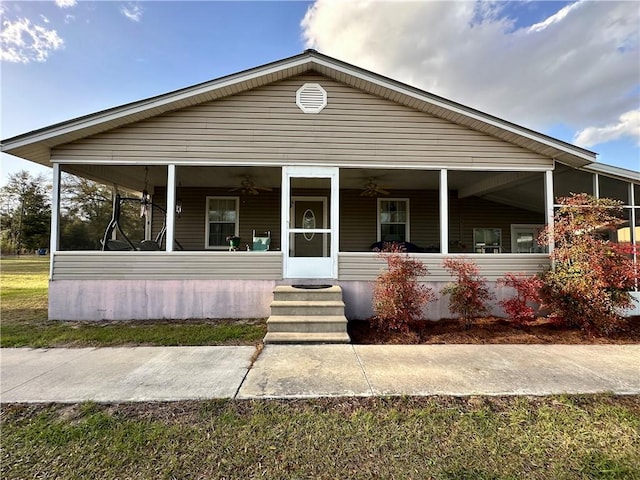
(234, 242)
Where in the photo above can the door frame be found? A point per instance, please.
(322, 267)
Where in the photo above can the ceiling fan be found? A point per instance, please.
(371, 189)
(248, 187)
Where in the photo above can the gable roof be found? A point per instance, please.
(36, 145)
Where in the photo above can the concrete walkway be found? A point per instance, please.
(304, 371)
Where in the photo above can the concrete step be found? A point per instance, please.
(307, 307)
(307, 324)
(288, 337)
(300, 315)
(287, 292)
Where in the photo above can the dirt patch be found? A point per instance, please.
(490, 330)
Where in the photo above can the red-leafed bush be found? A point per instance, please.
(398, 298)
(589, 283)
(520, 309)
(469, 294)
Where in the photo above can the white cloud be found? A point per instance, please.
(555, 18)
(628, 125)
(132, 12)
(66, 3)
(579, 67)
(24, 42)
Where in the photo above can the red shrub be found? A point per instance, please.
(398, 298)
(469, 293)
(590, 280)
(519, 309)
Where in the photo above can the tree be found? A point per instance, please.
(84, 213)
(26, 212)
(590, 279)
(86, 209)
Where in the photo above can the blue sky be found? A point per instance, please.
(527, 62)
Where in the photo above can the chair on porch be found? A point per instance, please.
(262, 241)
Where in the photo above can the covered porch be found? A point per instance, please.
(323, 224)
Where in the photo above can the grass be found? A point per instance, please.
(567, 437)
(24, 323)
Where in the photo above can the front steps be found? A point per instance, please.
(301, 315)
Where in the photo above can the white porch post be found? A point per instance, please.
(444, 212)
(171, 205)
(548, 195)
(596, 185)
(55, 217)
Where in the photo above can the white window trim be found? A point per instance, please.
(206, 220)
(407, 223)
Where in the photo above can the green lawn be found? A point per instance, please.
(569, 437)
(23, 310)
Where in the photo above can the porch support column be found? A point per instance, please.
(171, 206)
(55, 217)
(596, 185)
(444, 212)
(548, 195)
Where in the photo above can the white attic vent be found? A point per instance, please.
(311, 98)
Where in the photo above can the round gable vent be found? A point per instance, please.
(311, 98)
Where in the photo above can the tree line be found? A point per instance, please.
(85, 211)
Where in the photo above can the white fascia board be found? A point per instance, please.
(461, 111)
(612, 171)
(234, 163)
(117, 113)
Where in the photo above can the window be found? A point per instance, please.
(487, 240)
(222, 221)
(524, 238)
(393, 220)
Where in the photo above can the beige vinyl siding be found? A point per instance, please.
(474, 212)
(264, 126)
(367, 266)
(257, 212)
(358, 217)
(165, 266)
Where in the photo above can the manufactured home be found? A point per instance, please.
(306, 165)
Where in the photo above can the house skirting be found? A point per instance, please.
(96, 300)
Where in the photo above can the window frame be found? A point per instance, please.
(208, 223)
(406, 223)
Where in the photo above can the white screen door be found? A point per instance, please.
(310, 222)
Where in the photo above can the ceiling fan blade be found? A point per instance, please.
(382, 192)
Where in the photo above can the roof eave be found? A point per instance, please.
(36, 145)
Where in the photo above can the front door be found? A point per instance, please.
(310, 224)
(309, 213)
